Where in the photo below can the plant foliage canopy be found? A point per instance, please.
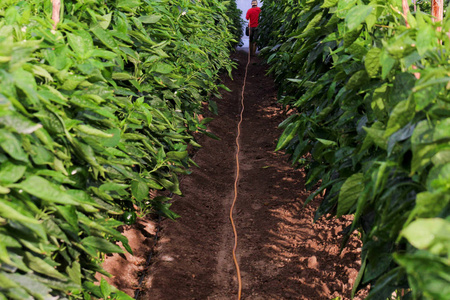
(95, 112)
(370, 88)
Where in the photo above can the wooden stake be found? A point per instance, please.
(437, 10)
(405, 7)
(56, 12)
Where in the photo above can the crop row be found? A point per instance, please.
(369, 84)
(95, 112)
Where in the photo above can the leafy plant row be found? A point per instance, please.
(93, 114)
(370, 89)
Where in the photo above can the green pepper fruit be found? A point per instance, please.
(129, 217)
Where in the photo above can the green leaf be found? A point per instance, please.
(6, 282)
(349, 193)
(402, 89)
(87, 153)
(344, 6)
(4, 256)
(378, 103)
(426, 39)
(58, 57)
(41, 156)
(411, 20)
(376, 135)
(371, 19)
(387, 63)
(72, 82)
(429, 205)
(399, 136)
(41, 188)
(105, 288)
(17, 122)
(288, 135)
(172, 185)
(74, 272)
(4, 190)
(101, 245)
(12, 146)
(329, 3)
(52, 122)
(32, 285)
(327, 142)
(178, 155)
(401, 115)
(213, 107)
(122, 76)
(163, 207)
(104, 21)
(93, 131)
(122, 296)
(150, 19)
(351, 36)
(429, 234)
(26, 82)
(8, 211)
(439, 178)
(11, 172)
(40, 266)
(357, 15)
(442, 157)
(81, 42)
(113, 139)
(128, 5)
(372, 62)
(105, 37)
(427, 274)
(162, 68)
(113, 186)
(357, 80)
(103, 54)
(68, 212)
(140, 190)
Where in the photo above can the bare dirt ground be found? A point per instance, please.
(281, 252)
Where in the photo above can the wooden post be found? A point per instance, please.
(437, 10)
(405, 7)
(56, 12)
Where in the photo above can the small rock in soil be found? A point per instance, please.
(312, 262)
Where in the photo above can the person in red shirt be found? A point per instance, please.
(253, 16)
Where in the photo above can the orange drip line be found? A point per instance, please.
(238, 272)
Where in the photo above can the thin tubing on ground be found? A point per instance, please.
(238, 147)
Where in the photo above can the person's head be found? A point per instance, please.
(254, 3)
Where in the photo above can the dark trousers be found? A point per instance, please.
(253, 34)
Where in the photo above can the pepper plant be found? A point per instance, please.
(95, 112)
(370, 89)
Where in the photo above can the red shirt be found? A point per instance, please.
(253, 15)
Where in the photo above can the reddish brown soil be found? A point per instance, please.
(282, 254)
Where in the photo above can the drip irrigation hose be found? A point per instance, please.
(149, 258)
(238, 148)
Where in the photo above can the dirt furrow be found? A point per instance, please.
(282, 254)
(194, 257)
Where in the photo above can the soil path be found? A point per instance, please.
(282, 254)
